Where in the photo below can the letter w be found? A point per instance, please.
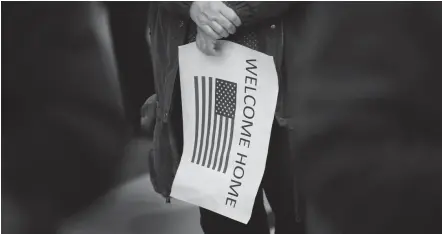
(252, 66)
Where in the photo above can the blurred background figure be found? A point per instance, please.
(64, 129)
(367, 116)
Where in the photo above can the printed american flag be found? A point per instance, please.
(215, 107)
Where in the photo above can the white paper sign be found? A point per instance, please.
(228, 106)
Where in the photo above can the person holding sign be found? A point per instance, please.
(257, 25)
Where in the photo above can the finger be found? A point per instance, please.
(226, 24)
(209, 32)
(219, 29)
(199, 43)
(210, 49)
(209, 46)
(231, 15)
(216, 48)
(204, 44)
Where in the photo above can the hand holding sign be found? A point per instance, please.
(215, 18)
(228, 104)
(206, 44)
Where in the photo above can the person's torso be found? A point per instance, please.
(168, 31)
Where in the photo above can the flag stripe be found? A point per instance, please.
(196, 116)
(224, 143)
(203, 117)
(208, 122)
(219, 139)
(230, 146)
(215, 101)
(213, 141)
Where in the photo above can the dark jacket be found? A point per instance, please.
(367, 114)
(128, 24)
(168, 23)
(63, 125)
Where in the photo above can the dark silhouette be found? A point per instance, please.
(64, 129)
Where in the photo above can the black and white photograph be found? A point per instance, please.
(221, 117)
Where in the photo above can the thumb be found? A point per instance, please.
(211, 47)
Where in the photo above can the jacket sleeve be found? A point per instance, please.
(254, 12)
